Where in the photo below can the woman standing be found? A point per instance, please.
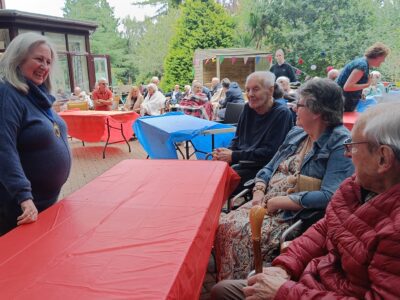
(34, 152)
(311, 153)
(355, 75)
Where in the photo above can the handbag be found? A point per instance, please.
(304, 183)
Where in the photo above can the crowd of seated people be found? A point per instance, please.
(312, 151)
(353, 252)
(196, 103)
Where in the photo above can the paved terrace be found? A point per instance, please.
(88, 163)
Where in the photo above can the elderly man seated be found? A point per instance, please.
(102, 96)
(354, 251)
(79, 95)
(262, 128)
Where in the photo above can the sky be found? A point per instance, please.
(122, 8)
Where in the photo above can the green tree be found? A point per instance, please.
(150, 44)
(106, 39)
(163, 5)
(386, 29)
(320, 32)
(202, 24)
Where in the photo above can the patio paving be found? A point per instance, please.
(88, 163)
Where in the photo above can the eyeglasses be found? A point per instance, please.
(348, 145)
(103, 83)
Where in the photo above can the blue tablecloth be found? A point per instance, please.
(157, 134)
(364, 104)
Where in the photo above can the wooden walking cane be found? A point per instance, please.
(257, 214)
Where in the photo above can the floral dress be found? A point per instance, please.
(233, 244)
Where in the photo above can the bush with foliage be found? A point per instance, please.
(202, 25)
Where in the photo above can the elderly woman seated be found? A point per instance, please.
(288, 93)
(196, 103)
(354, 251)
(311, 155)
(134, 99)
(154, 103)
(376, 87)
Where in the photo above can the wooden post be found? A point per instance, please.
(218, 69)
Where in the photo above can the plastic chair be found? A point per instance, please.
(77, 105)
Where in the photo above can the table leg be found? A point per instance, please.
(121, 128)
(108, 138)
(187, 149)
(123, 135)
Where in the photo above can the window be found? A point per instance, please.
(58, 40)
(81, 75)
(20, 30)
(4, 39)
(76, 43)
(61, 75)
(100, 68)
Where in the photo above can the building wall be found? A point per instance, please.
(235, 72)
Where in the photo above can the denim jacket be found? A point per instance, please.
(325, 161)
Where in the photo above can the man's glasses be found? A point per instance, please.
(103, 83)
(348, 145)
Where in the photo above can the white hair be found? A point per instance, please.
(15, 55)
(102, 79)
(267, 78)
(283, 78)
(380, 125)
(152, 86)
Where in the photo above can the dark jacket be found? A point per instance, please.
(35, 163)
(233, 95)
(258, 136)
(284, 70)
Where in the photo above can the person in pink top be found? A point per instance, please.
(102, 96)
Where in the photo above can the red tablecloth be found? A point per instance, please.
(142, 230)
(349, 118)
(90, 126)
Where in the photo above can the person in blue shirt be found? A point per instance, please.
(355, 75)
(35, 157)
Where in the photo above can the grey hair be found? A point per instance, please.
(380, 125)
(283, 78)
(323, 96)
(103, 79)
(267, 78)
(17, 53)
(153, 86)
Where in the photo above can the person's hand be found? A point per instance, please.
(258, 197)
(263, 286)
(276, 271)
(223, 154)
(369, 80)
(273, 205)
(29, 212)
